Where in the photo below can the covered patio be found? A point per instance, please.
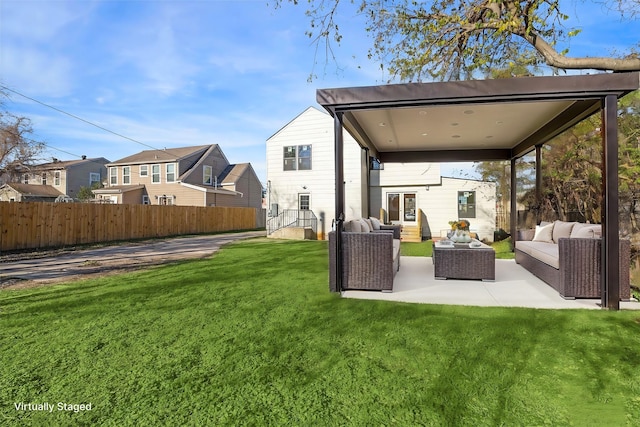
(514, 287)
(483, 120)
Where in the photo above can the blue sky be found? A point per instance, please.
(183, 72)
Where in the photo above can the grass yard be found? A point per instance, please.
(253, 337)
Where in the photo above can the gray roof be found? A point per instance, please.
(34, 190)
(231, 173)
(166, 155)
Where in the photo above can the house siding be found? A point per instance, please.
(439, 205)
(189, 170)
(314, 128)
(436, 196)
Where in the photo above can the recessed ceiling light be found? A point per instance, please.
(425, 134)
(455, 124)
(382, 124)
(468, 111)
(422, 113)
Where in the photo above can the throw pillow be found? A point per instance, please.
(375, 222)
(364, 225)
(543, 233)
(562, 229)
(588, 231)
(368, 221)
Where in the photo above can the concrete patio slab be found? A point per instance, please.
(514, 287)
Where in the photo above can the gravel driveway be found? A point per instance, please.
(40, 268)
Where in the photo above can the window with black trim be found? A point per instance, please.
(297, 157)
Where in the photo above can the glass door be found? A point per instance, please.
(409, 207)
(393, 207)
(401, 208)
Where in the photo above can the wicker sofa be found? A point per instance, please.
(567, 256)
(370, 256)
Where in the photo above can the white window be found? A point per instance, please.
(145, 200)
(207, 175)
(155, 174)
(304, 202)
(25, 178)
(93, 178)
(113, 176)
(144, 170)
(171, 172)
(126, 174)
(56, 178)
(297, 157)
(44, 178)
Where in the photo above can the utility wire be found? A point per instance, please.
(78, 118)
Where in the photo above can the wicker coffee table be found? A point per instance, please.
(474, 260)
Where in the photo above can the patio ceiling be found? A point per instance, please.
(469, 120)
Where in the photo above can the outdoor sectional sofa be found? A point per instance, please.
(567, 256)
(371, 255)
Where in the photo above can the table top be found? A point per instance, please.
(448, 244)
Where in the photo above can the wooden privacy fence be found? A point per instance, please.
(44, 225)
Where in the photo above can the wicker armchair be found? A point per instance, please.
(369, 261)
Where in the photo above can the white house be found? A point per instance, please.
(301, 177)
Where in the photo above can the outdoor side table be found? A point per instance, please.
(475, 261)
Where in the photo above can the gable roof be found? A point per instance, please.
(33, 190)
(232, 173)
(306, 111)
(166, 155)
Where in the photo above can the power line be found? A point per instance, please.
(78, 118)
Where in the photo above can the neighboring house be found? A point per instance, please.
(188, 176)
(301, 171)
(65, 176)
(18, 192)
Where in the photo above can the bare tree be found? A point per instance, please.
(17, 149)
(457, 39)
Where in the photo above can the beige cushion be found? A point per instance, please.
(375, 223)
(587, 231)
(544, 233)
(542, 251)
(353, 226)
(562, 229)
(364, 225)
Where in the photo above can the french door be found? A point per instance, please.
(401, 208)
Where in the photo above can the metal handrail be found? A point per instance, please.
(303, 218)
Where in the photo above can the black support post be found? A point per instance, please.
(339, 203)
(610, 224)
(513, 227)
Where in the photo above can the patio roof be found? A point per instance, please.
(469, 120)
(480, 120)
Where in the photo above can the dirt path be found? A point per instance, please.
(26, 270)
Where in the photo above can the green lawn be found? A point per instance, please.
(253, 337)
